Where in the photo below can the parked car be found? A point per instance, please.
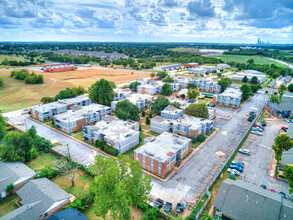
(272, 190)
(256, 129)
(159, 203)
(263, 186)
(284, 128)
(256, 133)
(240, 169)
(180, 207)
(253, 114)
(250, 119)
(238, 163)
(229, 170)
(291, 120)
(244, 151)
(167, 207)
(259, 126)
(283, 195)
(263, 123)
(287, 120)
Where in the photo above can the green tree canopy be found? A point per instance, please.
(160, 103)
(166, 89)
(2, 125)
(102, 92)
(197, 110)
(126, 110)
(162, 74)
(290, 87)
(255, 88)
(191, 86)
(250, 61)
(118, 183)
(246, 91)
(288, 174)
(175, 104)
(254, 80)
(193, 93)
(133, 86)
(245, 79)
(282, 143)
(168, 79)
(225, 82)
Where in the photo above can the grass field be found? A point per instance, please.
(8, 205)
(243, 59)
(43, 161)
(16, 94)
(3, 57)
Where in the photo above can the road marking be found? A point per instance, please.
(224, 133)
(265, 146)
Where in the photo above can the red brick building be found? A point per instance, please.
(58, 67)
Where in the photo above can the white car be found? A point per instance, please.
(256, 133)
(229, 170)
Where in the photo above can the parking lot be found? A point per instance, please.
(257, 165)
(193, 178)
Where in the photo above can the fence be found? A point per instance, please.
(227, 160)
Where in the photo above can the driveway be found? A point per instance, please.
(257, 164)
(194, 177)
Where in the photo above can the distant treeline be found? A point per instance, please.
(275, 54)
(29, 78)
(7, 62)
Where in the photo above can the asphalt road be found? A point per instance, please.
(196, 174)
(257, 165)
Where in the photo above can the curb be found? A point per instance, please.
(79, 141)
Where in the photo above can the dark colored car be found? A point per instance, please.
(167, 207)
(263, 186)
(253, 114)
(250, 119)
(158, 203)
(284, 128)
(238, 163)
(263, 123)
(240, 169)
(180, 207)
(283, 195)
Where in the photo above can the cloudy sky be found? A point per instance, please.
(223, 21)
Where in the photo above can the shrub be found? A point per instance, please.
(48, 172)
(46, 100)
(34, 152)
(77, 204)
(110, 150)
(193, 139)
(9, 188)
(201, 138)
(182, 96)
(151, 214)
(143, 113)
(101, 144)
(140, 138)
(147, 120)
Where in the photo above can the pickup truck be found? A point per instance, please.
(167, 207)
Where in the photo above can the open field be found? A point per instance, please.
(16, 94)
(8, 205)
(243, 59)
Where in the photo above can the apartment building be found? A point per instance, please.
(205, 85)
(283, 109)
(150, 89)
(119, 134)
(223, 66)
(121, 93)
(77, 117)
(45, 112)
(168, 67)
(160, 154)
(210, 68)
(261, 77)
(231, 97)
(197, 71)
(171, 112)
(141, 100)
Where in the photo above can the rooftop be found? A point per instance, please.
(163, 146)
(68, 214)
(286, 104)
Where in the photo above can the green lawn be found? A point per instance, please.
(81, 184)
(196, 144)
(42, 161)
(144, 135)
(153, 133)
(145, 127)
(50, 123)
(243, 59)
(79, 136)
(8, 205)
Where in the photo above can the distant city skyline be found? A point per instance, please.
(210, 21)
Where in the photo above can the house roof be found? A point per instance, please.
(68, 214)
(241, 200)
(12, 172)
(287, 157)
(286, 104)
(37, 196)
(290, 131)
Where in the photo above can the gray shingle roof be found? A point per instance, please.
(68, 214)
(286, 104)
(241, 200)
(12, 172)
(287, 157)
(37, 197)
(290, 131)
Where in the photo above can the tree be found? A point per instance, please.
(162, 74)
(197, 110)
(67, 168)
(219, 74)
(246, 91)
(225, 82)
(9, 188)
(290, 87)
(151, 214)
(193, 93)
(168, 79)
(191, 86)
(182, 96)
(2, 125)
(250, 61)
(152, 74)
(255, 88)
(175, 104)
(46, 100)
(288, 174)
(166, 89)
(274, 99)
(201, 138)
(126, 110)
(143, 113)
(102, 92)
(133, 86)
(282, 143)
(281, 91)
(160, 103)
(118, 183)
(245, 79)
(206, 216)
(147, 120)
(254, 80)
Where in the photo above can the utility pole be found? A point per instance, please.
(68, 152)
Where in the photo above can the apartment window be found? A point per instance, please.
(152, 164)
(46, 214)
(159, 168)
(136, 156)
(143, 161)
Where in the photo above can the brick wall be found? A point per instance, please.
(80, 123)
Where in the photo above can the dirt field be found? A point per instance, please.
(16, 94)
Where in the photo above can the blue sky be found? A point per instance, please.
(222, 21)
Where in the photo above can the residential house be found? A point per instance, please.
(119, 134)
(45, 112)
(160, 154)
(287, 157)
(77, 117)
(40, 198)
(284, 109)
(68, 214)
(16, 173)
(168, 67)
(142, 101)
(241, 200)
(231, 97)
